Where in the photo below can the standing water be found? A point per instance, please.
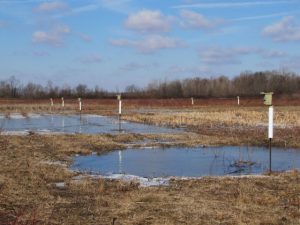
(85, 124)
(188, 162)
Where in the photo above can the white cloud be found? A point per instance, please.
(192, 19)
(274, 54)
(259, 17)
(90, 59)
(121, 6)
(122, 42)
(133, 66)
(285, 30)
(219, 55)
(21, 1)
(48, 7)
(53, 37)
(292, 63)
(233, 55)
(189, 70)
(40, 53)
(148, 21)
(149, 44)
(85, 37)
(232, 4)
(266, 65)
(2, 24)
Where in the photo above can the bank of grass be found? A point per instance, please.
(229, 125)
(216, 116)
(36, 189)
(210, 125)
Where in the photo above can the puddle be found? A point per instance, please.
(188, 162)
(86, 124)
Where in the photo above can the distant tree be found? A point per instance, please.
(13, 84)
(246, 84)
(81, 90)
(132, 89)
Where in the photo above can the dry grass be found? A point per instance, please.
(230, 125)
(226, 116)
(30, 174)
(29, 194)
(214, 125)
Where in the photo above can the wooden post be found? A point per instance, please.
(80, 106)
(120, 111)
(120, 114)
(63, 104)
(51, 104)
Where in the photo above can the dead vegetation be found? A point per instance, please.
(225, 116)
(37, 188)
(229, 125)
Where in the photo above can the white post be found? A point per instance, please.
(120, 107)
(80, 104)
(192, 101)
(270, 135)
(120, 110)
(51, 102)
(238, 99)
(62, 102)
(271, 115)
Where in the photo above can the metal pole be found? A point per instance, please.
(270, 134)
(270, 155)
(120, 123)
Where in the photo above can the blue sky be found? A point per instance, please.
(115, 43)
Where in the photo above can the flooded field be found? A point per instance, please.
(188, 162)
(85, 124)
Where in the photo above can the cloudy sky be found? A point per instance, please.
(114, 43)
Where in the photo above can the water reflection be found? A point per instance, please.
(63, 124)
(85, 124)
(189, 162)
(120, 162)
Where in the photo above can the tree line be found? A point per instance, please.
(248, 84)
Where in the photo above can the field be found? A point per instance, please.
(214, 121)
(36, 186)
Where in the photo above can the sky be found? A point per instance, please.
(116, 43)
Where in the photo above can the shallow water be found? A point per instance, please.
(86, 124)
(188, 162)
